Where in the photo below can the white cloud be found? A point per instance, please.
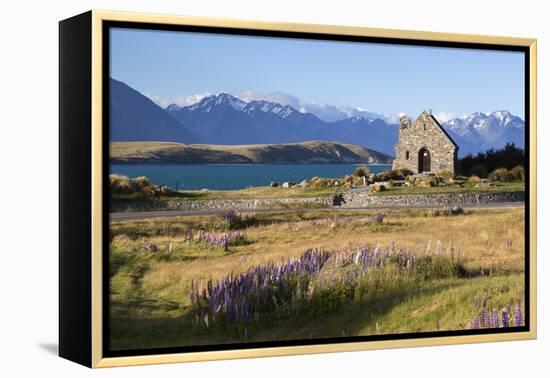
(280, 97)
(445, 116)
(158, 100)
(440, 116)
(326, 112)
(329, 113)
(179, 100)
(394, 118)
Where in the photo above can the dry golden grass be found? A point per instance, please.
(149, 291)
(260, 192)
(479, 238)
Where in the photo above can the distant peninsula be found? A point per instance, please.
(310, 152)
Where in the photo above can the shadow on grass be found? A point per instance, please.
(132, 331)
(350, 319)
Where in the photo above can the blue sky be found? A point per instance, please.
(182, 67)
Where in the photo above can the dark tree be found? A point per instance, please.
(486, 162)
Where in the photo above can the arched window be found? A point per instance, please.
(407, 155)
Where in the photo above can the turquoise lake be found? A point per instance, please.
(234, 176)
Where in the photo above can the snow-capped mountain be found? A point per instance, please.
(268, 106)
(323, 111)
(225, 119)
(333, 113)
(480, 131)
(221, 100)
(173, 107)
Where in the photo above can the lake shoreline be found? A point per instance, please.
(122, 162)
(235, 176)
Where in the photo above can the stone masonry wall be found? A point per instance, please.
(424, 133)
(351, 199)
(357, 199)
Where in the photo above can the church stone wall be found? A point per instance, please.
(424, 133)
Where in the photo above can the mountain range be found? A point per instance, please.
(134, 117)
(479, 132)
(224, 119)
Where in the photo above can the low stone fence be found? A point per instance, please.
(213, 205)
(351, 199)
(356, 199)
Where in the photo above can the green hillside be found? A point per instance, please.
(301, 153)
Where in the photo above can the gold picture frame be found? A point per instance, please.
(93, 26)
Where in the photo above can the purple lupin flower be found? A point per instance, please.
(505, 319)
(485, 319)
(219, 240)
(260, 288)
(495, 319)
(242, 298)
(518, 316)
(475, 323)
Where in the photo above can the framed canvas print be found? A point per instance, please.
(235, 189)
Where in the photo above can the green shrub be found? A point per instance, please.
(446, 211)
(317, 182)
(401, 173)
(436, 267)
(397, 174)
(382, 176)
(502, 175)
(237, 221)
(142, 184)
(378, 188)
(122, 185)
(427, 182)
(518, 172)
(474, 179)
(119, 184)
(361, 172)
(446, 176)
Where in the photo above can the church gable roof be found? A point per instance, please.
(428, 114)
(443, 130)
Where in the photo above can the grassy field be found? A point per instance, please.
(460, 263)
(260, 192)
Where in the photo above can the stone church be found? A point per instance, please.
(424, 146)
